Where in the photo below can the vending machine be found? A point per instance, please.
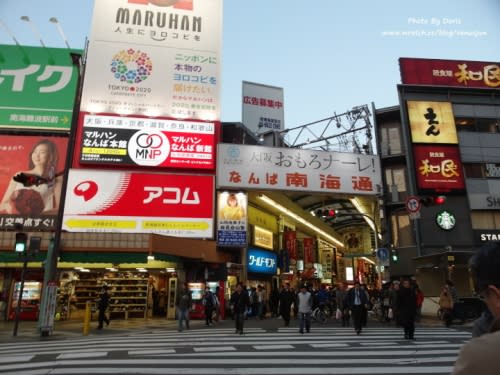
(30, 302)
(197, 309)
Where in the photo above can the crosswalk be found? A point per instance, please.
(380, 350)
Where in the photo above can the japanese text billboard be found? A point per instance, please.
(37, 87)
(432, 122)
(459, 73)
(154, 59)
(262, 261)
(42, 158)
(147, 142)
(232, 219)
(168, 204)
(263, 109)
(272, 168)
(438, 168)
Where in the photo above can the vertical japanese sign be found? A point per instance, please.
(308, 250)
(155, 58)
(232, 219)
(35, 207)
(432, 122)
(291, 246)
(37, 87)
(263, 109)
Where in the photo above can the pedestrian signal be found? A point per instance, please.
(21, 240)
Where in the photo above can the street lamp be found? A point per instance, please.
(55, 21)
(34, 29)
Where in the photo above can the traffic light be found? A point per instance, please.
(21, 240)
(328, 213)
(394, 255)
(28, 179)
(433, 200)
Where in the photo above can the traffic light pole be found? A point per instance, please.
(46, 319)
(20, 297)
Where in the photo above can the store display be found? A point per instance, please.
(30, 302)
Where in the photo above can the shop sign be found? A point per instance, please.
(263, 238)
(459, 73)
(263, 109)
(147, 142)
(261, 261)
(309, 250)
(291, 246)
(37, 87)
(488, 199)
(432, 122)
(153, 60)
(487, 235)
(285, 169)
(35, 207)
(438, 168)
(132, 202)
(492, 170)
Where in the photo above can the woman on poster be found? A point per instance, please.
(43, 196)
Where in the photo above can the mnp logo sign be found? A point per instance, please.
(148, 147)
(178, 4)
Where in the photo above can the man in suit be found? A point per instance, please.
(358, 303)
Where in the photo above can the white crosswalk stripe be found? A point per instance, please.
(214, 351)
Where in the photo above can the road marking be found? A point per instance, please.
(214, 349)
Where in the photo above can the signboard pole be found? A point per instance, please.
(50, 271)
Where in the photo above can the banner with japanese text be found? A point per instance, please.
(232, 219)
(263, 108)
(285, 169)
(111, 201)
(38, 87)
(460, 73)
(108, 139)
(309, 253)
(34, 207)
(432, 122)
(291, 246)
(155, 58)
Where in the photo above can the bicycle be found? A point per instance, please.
(320, 315)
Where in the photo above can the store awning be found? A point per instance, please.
(203, 250)
(13, 257)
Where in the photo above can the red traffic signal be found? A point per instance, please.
(329, 213)
(433, 200)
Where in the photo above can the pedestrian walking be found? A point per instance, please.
(342, 305)
(407, 309)
(287, 297)
(446, 305)
(304, 304)
(261, 301)
(239, 302)
(357, 302)
(209, 303)
(183, 304)
(274, 301)
(102, 306)
(420, 301)
(217, 297)
(480, 354)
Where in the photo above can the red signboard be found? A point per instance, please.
(291, 245)
(308, 250)
(113, 201)
(459, 73)
(438, 168)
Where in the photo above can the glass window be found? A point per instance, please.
(474, 170)
(485, 219)
(401, 230)
(390, 142)
(488, 125)
(465, 124)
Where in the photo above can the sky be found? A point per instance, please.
(327, 55)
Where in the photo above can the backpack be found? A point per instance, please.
(208, 300)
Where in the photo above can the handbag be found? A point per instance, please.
(338, 314)
(390, 313)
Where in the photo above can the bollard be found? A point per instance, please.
(86, 319)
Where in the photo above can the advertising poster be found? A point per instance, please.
(154, 58)
(309, 251)
(232, 219)
(262, 261)
(291, 246)
(432, 122)
(147, 142)
(131, 202)
(38, 87)
(42, 158)
(263, 109)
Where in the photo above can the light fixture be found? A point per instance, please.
(369, 220)
(151, 257)
(34, 29)
(300, 219)
(169, 269)
(261, 137)
(368, 260)
(59, 29)
(113, 269)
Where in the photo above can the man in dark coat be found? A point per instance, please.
(357, 300)
(102, 305)
(287, 297)
(240, 302)
(407, 308)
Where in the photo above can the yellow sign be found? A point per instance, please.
(263, 238)
(175, 225)
(100, 223)
(432, 122)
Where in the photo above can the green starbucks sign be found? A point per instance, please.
(37, 87)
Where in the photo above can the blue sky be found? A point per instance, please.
(327, 55)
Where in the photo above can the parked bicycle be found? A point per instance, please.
(321, 314)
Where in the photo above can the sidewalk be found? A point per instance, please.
(27, 330)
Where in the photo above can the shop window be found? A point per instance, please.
(474, 170)
(465, 124)
(485, 125)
